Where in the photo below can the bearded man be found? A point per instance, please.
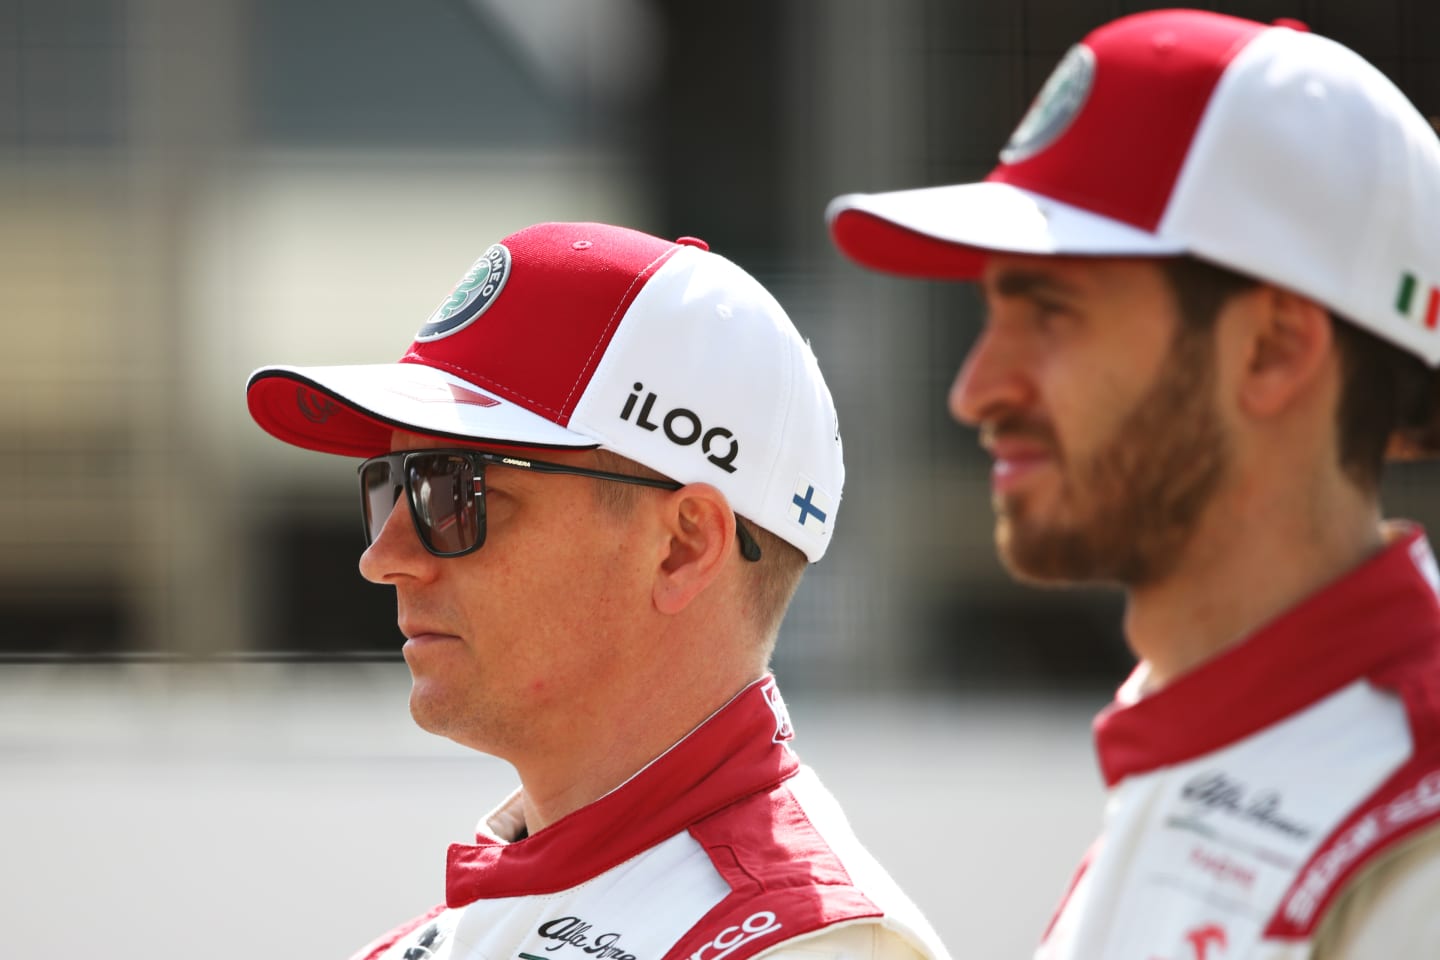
(1211, 265)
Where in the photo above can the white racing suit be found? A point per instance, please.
(1282, 800)
(722, 848)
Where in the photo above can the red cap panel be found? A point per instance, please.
(534, 348)
(1153, 75)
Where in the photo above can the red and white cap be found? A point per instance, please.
(1265, 149)
(583, 335)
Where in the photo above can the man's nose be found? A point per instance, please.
(991, 380)
(396, 552)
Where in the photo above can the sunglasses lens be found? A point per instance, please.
(446, 505)
(379, 489)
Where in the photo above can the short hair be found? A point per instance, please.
(773, 579)
(1385, 390)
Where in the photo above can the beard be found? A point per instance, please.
(1127, 511)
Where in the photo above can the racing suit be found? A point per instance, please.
(1282, 800)
(721, 848)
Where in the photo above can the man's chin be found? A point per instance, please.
(439, 711)
(1044, 558)
(1035, 575)
(427, 707)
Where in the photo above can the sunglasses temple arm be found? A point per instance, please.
(749, 549)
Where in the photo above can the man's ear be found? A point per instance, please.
(1288, 343)
(701, 527)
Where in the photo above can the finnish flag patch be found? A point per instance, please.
(810, 506)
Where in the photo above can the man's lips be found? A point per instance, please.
(425, 633)
(1016, 459)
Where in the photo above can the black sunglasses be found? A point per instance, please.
(446, 493)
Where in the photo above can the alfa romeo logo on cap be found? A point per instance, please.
(475, 292)
(1057, 104)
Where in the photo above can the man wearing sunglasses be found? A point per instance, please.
(1210, 266)
(594, 481)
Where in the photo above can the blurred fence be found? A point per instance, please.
(188, 191)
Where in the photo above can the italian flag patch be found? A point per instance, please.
(1410, 295)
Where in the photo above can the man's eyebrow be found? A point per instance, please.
(1027, 283)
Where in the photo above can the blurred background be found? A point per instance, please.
(189, 190)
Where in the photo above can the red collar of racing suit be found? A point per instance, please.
(1379, 616)
(739, 751)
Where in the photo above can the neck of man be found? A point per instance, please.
(615, 738)
(1258, 550)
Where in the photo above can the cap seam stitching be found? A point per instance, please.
(610, 325)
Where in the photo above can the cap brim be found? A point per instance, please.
(947, 232)
(354, 410)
